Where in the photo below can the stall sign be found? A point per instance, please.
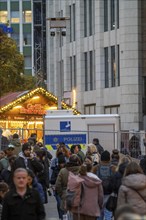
(35, 109)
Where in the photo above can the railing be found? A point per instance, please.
(133, 143)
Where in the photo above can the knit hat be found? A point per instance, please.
(105, 156)
(26, 146)
(74, 160)
(61, 159)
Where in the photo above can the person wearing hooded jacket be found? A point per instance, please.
(27, 160)
(61, 183)
(92, 194)
(133, 189)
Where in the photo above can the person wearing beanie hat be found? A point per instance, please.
(25, 147)
(27, 160)
(61, 159)
(105, 156)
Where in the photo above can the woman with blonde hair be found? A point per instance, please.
(133, 188)
(93, 153)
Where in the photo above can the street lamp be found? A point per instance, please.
(58, 25)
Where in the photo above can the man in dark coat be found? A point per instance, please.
(27, 160)
(22, 202)
(98, 146)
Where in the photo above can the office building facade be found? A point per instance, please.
(101, 58)
(29, 30)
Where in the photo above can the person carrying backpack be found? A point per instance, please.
(62, 179)
(105, 173)
(91, 198)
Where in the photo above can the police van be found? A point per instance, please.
(63, 126)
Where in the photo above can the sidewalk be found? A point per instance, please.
(51, 209)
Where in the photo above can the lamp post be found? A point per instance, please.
(58, 25)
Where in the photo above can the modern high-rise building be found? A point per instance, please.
(28, 21)
(101, 62)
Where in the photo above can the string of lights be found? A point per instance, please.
(36, 92)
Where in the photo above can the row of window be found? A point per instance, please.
(27, 38)
(111, 69)
(15, 16)
(111, 17)
(91, 109)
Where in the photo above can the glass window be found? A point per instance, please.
(106, 67)
(27, 16)
(113, 66)
(112, 14)
(3, 16)
(114, 61)
(85, 18)
(90, 109)
(75, 77)
(117, 13)
(72, 12)
(27, 62)
(73, 72)
(91, 69)
(118, 63)
(70, 23)
(15, 36)
(86, 71)
(90, 17)
(15, 17)
(112, 109)
(74, 22)
(27, 39)
(105, 15)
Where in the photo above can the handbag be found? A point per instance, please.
(111, 203)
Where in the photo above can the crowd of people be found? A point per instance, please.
(91, 185)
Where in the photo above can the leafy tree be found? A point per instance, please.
(12, 67)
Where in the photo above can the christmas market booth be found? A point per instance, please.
(23, 112)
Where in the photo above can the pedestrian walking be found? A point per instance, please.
(105, 173)
(9, 151)
(22, 202)
(92, 194)
(27, 160)
(133, 189)
(61, 183)
(16, 142)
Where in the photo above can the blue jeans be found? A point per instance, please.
(105, 214)
(60, 211)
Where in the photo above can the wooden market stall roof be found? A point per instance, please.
(11, 100)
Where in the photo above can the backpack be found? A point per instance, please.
(104, 173)
(55, 172)
(74, 191)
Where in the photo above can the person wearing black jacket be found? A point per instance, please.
(22, 202)
(27, 160)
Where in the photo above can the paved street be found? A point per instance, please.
(51, 209)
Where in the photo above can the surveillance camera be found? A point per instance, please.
(63, 32)
(52, 32)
